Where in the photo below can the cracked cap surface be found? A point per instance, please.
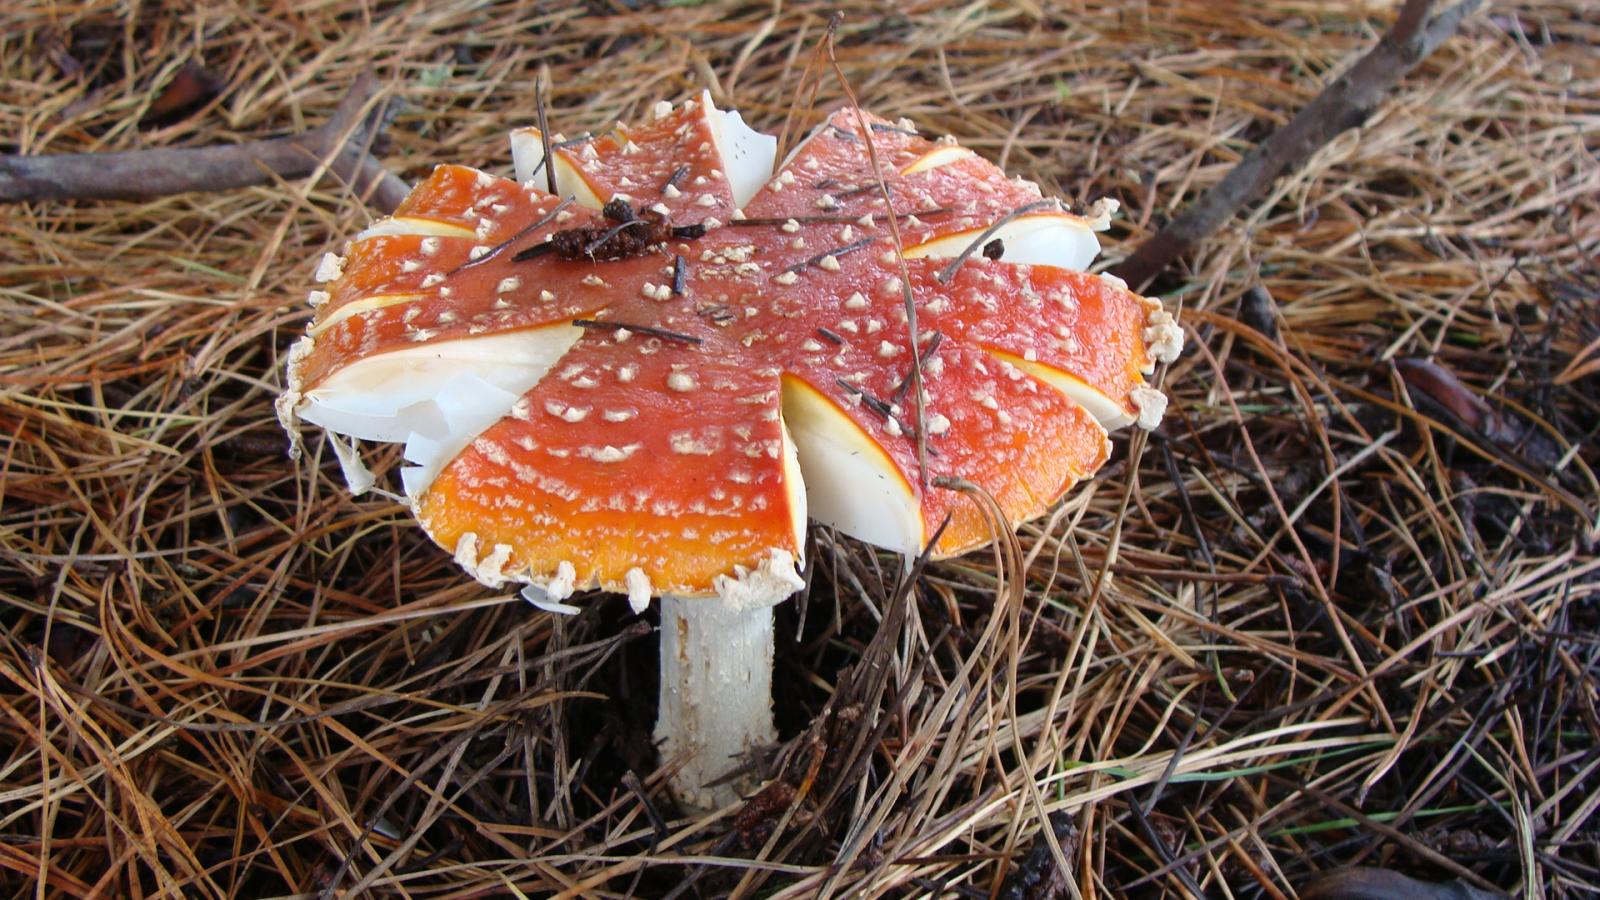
(722, 381)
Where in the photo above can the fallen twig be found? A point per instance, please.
(341, 143)
(1346, 102)
(1384, 884)
(1038, 875)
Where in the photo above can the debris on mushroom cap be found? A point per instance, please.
(661, 417)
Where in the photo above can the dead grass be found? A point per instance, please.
(1318, 619)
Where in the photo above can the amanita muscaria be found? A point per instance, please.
(616, 400)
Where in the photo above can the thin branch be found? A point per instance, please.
(1345, 103)
(340, 143)
(919, 402)
(548, 161)
(949, 271)
(609, 325)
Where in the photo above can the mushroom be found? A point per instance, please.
(648, 381)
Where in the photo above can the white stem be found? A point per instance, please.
(716, 693)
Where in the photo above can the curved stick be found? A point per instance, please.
(1345, 103)
(340, 143)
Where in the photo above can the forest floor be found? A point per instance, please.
(1339, 610)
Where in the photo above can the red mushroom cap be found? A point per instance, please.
(650, 452)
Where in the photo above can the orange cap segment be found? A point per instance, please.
(637, 452)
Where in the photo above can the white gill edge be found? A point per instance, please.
(942, 155)
(1061, 240)
(413, 225)
(851, 484)
(1109, 413)
(747, 155)
(527, 151)
(434, 397)
(357, 307)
